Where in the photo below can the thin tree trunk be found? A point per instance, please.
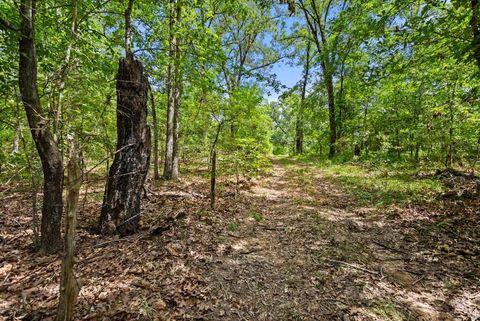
(341, 103)
(173, 88)
(331, 113)
(317, 28)
(213, 166)
(18, 128)
(397, 134)
(42, 136)
(450, 150)
(176, 107)
(63, 73)
(417, 152)
(300, 119)
(69, 287)
(213, 178)
(121, 202)
(156, 175)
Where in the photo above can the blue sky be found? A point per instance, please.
(288, 75)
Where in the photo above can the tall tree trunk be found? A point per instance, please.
(331, 113)
(173, 106)
(46, 146)
(300, 118)
(156, 175)
(316, 25)
(178, 95)
(341, 102)
(63, 74)
(450, 140)
(121, 202)
(213, 166)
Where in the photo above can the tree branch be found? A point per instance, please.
(6, 25)
(267, 64)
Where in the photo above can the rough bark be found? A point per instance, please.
(123, 193)
(170, 171)
(69, 287)
(44, 141)
(121, 203)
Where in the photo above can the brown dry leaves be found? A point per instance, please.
(268, 255)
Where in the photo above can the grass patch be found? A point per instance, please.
(387, 311)
(256, 216)
(382, 186)
(233, 226)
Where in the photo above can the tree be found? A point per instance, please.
(123, 193)
(300, 114)
(39, 126)
(174, 84)
(316, 14)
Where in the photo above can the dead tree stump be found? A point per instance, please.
(121, 202)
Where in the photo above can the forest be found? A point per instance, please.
(240, 160)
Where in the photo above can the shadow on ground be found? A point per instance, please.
(293, 245)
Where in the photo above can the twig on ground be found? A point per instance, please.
(354, 267)
(190, 192)
(390, 248)
(419, 279)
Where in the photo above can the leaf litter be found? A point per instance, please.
(286, 248)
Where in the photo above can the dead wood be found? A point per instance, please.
(167, 222)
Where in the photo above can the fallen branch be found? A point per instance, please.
(390, 248)
(190, 192)
(354, 267)
(167, 222)
(419, 279)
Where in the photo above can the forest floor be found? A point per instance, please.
(295, 244)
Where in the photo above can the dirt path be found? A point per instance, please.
(308, 252)
(291, 246)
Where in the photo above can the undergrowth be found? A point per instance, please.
(374, 183)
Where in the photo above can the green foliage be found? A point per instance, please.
(406, 85)
(405, 82)
(386, 310)
(256, 216)
(382, 185)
